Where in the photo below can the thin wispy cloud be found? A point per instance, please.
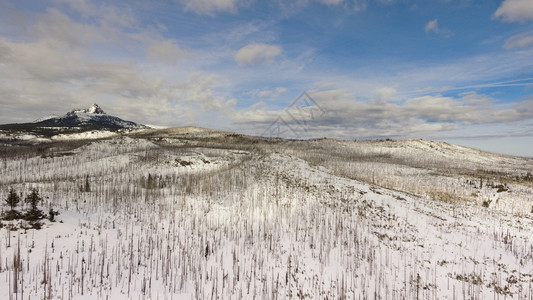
(268, 93)
(256, 52)
(211, 7)
(518, 41)
(433, 27)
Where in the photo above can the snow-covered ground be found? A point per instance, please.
(169, 217)
(87, 135)
(33, 138)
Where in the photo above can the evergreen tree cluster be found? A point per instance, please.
(32, 214)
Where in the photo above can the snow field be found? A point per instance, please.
(163, 221)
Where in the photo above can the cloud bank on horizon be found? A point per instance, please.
(456, 70)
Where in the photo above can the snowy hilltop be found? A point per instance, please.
(193, 213)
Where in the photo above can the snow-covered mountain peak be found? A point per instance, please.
(92, 118)
(93, 109)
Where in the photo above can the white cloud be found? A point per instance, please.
(515, 11)
(263, 94)
(267, 93)
(83, 7)
(433, 26)
(347, 117)
(42, 78)
(58, 27)
(331, 2)
(360, 5)
(289, 8)
(5, 52)
(166, 50)
(384, 94)
(280, 90)
(107, 16)
(256, 52)
(519, 41)
(52, 67)
(357, 5)
(210, 7)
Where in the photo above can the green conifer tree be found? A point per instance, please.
(33, 199)
(13, 199)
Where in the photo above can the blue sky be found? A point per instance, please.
(452, 70)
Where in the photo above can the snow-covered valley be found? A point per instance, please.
(198, 214)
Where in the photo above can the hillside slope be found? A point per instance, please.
(196, 214)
